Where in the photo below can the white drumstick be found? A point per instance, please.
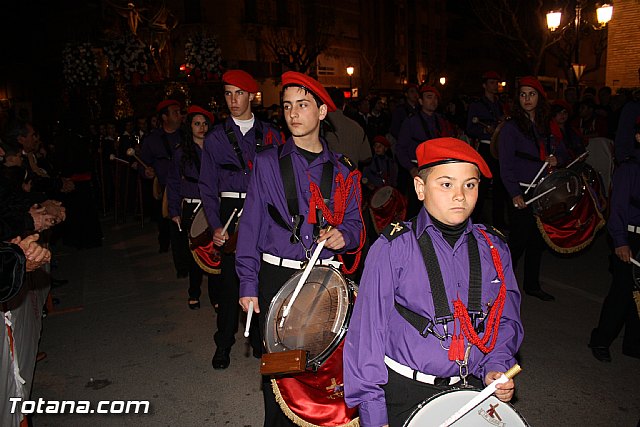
(249, 314)
(117, 159)
(579, 158)
(483, 395)
(303, 278)
(634, 262)
(539, 195)
(131, 152)
(224, 229)
(544, 166)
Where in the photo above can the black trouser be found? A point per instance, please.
(271, 278)
(403, 395)
(619, 308)
(164, 226)
(229, 294)
(498, 195)
(525, 238)
(184, 260)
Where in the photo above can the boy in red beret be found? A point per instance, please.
(418, 331)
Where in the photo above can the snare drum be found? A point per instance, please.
(387, 205)
(205, 253)
(437, 409)
(317, 323)
(568, 189)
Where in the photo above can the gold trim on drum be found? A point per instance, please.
(204, 266)
(295, 418)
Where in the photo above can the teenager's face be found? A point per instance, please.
(301, 112)
(199, 126)
(562, 117)
(429, 102)
(491, 86)
(379, 149)
(449, 192)
(528, 98)
(238, 101)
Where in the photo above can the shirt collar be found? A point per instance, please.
(424, 222)
(289, 147)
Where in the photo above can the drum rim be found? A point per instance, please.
(442, 393)
(389, 187)
(582, 187)
(201, 212)
(318, 360)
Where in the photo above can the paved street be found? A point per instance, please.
(136, 339)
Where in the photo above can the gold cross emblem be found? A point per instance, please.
(396, 227)
(333, 385)
(338, 390)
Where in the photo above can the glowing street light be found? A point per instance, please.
(350, 71)
(443, 80)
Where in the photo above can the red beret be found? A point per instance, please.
(242, 79)
(491, 75)
(431, 89)
(292, 78)
(532, 82)
(379, 139)
(166, 103)
(564, 104)
(438, 151)
(194, 109)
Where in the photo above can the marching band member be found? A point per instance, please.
(281, 223)
(227, 163)
(394, 353)
(526, 142)
(618, 308)
(184, 200)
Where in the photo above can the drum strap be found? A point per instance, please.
(425, 126)
(233, 140)
(289, 182)
(443, 312)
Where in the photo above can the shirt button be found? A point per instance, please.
(306, 237)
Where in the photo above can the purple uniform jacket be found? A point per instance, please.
(487, 112)
(155, 155)
(625, 136)
(412, 134)
(221, 169)
(259, 233)
(519, 158)
(182, 182)
(625, 200)
(395, 272)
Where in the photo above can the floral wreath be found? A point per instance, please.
(128, 55)
(79, 65)
(203, 56)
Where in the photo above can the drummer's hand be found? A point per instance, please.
(176, 219)
(149, 172)
(219, 238)
(624, 253)
(552, 160)
(504, 391)
(518, 202)
(334, 238)
(244, 303)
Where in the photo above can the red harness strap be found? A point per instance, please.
(495, 314)
(345, 191)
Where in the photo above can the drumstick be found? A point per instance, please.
(224, 229)
(132, 153)
(249, 314)
(303, 278)
(634, 262)
(536, 177)
(484, 394)
(117, 159)
(578, 159)
(539, 195)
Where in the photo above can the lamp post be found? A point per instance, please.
(443, 80)
(350, 70)
(603, 15)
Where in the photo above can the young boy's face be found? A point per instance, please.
(301, 112)
(449, 191)
(379, 149)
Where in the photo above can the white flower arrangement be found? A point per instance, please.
(79, 65)
(127, 55)
(202, 54)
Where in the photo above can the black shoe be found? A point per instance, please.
(631, 352)
(221, 359)
(194, 303)
(601, 353)
(257, 353)
(539, 293)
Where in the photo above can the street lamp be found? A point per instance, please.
(603, 15)
(443, 80)
(350, 70)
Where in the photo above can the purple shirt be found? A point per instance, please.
(487, 112)
(221, 169)
(625, 200)
(519, 158)
(259, 233)
(412, 134)
(395, 271)
(182, 182)
(625, 136)
(155, 154)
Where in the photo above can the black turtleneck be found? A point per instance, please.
(451, 233)
(309, 155)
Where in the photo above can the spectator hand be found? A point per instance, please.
(55, 208)
(41, 219)
(36, 255)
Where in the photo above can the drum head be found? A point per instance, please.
(317, 321)
(564, 190)
(437, 409)
(199, 224)
(381, 196)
